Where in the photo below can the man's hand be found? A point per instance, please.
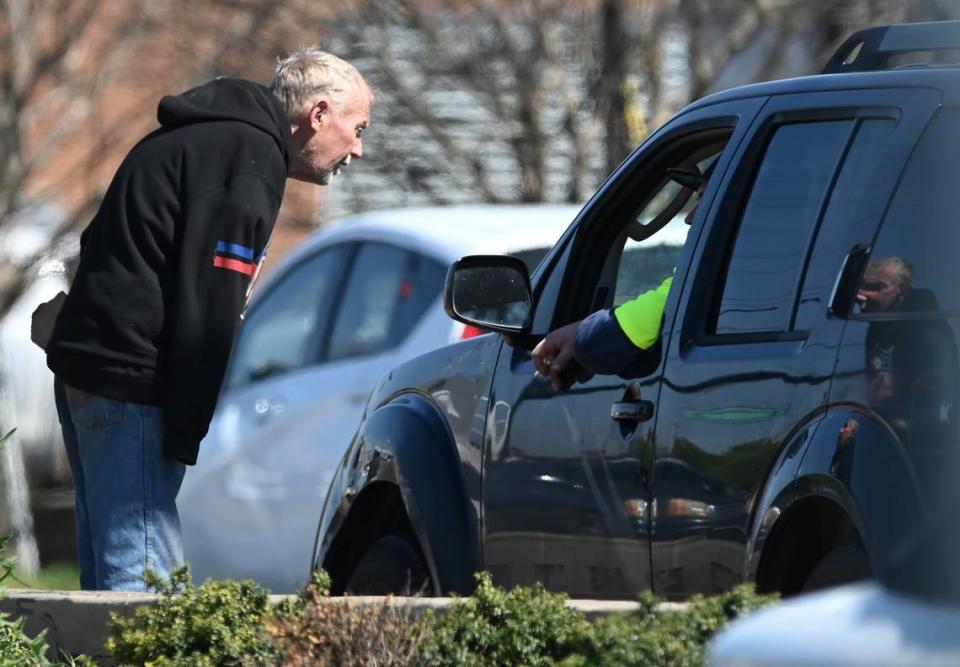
(553, 358)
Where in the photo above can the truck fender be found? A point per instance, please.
(407, 445)
(870, 474)
(857, 478)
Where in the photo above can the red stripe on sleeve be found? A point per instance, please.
(234, 265)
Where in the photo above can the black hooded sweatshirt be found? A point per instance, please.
(167, 262)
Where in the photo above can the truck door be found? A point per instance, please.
(755, 350)
(566, 487)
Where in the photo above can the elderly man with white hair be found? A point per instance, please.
(141, 342)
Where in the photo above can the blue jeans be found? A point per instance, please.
(126, 490)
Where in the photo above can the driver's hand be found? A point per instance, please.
(553, 358)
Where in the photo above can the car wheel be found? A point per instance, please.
(841, 565)
(390, 566)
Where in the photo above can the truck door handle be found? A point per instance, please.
(632, 411)
(632, 408)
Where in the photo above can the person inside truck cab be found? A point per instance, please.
(911, 356)
(614, 341)
(885, 284)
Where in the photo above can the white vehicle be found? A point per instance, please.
(355, 300)
(858, 624)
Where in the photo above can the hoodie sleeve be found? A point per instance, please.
(619, 341)
(224, 237)
(601, 346)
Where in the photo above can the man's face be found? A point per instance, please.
(880, 288)
(849, 431)
(334, 129)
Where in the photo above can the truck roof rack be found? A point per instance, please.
(872, 49)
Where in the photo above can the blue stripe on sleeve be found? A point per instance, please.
(235, 249)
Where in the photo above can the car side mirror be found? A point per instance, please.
(491, 292)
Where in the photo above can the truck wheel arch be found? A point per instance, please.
(403, 471)
(377, 511)
(810, 529)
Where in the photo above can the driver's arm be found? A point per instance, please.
(610, 341)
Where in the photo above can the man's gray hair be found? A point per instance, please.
(900, 267)
(303, 75)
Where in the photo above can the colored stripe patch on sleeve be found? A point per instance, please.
(246, 268)
(235, 249)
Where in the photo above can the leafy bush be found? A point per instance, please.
(217, 623)
(310, 631)
(525, 626)
(529, 626)
(229, 623)
(671, 638)
(17, 649)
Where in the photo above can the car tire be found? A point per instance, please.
(391, 565)
(841, 565)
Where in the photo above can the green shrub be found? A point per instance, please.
(671, 638)
(524, 626)
(17, 649)
(217, 623)
(229, 623)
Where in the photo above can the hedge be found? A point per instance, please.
(232, 623)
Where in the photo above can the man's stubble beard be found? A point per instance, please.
(324, 175)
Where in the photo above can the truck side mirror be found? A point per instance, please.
(490, 292)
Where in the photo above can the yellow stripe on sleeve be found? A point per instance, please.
(641, 317)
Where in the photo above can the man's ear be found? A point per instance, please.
(320, 108)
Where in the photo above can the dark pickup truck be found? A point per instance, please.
(801, 400)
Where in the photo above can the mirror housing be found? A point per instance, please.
(491, 292)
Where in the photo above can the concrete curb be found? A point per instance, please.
(77, 622)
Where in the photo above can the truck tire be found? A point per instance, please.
(841, 565)
(391, 565)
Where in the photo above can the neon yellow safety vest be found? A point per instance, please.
(640, 318)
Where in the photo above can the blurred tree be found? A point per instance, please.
(478, 100)
(492, 100)
(55, 56)
(538, 100)
(732, 42)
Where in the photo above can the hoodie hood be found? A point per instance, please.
(228, 98)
